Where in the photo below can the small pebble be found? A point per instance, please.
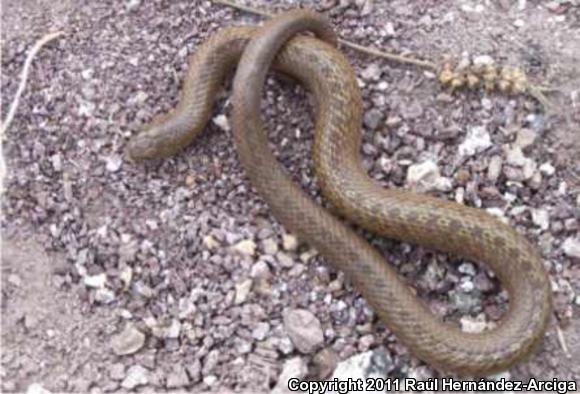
(289, 242)
(136, 376)
(222, 122)
(95, 281)
(243, 291)
(246, 247)
(304, 329)
(128, 341)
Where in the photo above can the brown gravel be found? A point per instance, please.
(186, 253)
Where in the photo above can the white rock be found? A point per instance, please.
(86, 108)
(128, 341)
(210, 242)
(296, 368)
(87, 73)
(478, 8)
(126, 276)
(210, 380)
(36, 388)
(477, 140)
(104, 296)
(15, 280)
(173, 330)
(286, 347)
(547, 169)
(133, 4)
(136, 376)
(260, 270)
(467, 269)
(95, 281)
(497, 212)
(529, 169)
(371, 72)
(541, 218)
(289, 242)
(515, 157)
(466, 286)
(460, 195)
(243, 291)
(382, 86)
(571, 247)
(518, 210)
(114, 163)
(525, 138)
(56, 162)
(177, 377)
(472, 325)
(270, 246)
(260, 332)
(494, 168)
(285, 260)
(374, 364)
(310, 253)
(486, 103)
(304, 329)
(246, 247)
(425, 177)
(483, 60)
(222, 122)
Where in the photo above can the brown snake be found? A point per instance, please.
(399, 214)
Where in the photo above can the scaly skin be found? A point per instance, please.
(399, 214)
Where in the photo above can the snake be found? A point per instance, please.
(354, 197)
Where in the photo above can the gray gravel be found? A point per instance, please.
(207, 290)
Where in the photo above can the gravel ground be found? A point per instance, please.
(173, 275)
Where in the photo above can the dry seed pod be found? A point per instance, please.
(519, 87)
(457, 81)
(520, 82)
(504, 85)
(446, 75)
(472, 81)
(489, 77)
(507, 74)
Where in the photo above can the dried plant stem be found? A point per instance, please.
(360, 48)
(537, 93)
(24, 77)
(562, 341)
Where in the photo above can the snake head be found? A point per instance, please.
(146, 145)
(159, 139)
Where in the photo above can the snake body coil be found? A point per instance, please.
(399, 214)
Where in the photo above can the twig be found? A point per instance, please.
(356, 47)
(562, 341)
(390, 56)
(24, 77)
(537, 93)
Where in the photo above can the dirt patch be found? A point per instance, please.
(49, 335)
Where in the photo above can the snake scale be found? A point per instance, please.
(399, 214)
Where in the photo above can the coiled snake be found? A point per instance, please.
(399, 214)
